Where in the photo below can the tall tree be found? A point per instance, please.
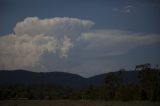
(149, 83)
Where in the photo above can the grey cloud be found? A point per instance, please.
(117, 42)
(126, 9)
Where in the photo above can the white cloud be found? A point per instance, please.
(35, 37)
(116, 41)
(57, 27)
(65, 46)
(25, 51)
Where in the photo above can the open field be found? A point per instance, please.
(74, 103)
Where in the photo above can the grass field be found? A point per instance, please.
(74, 103)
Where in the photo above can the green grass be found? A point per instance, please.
(74, 103)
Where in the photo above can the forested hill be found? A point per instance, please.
(61, 78)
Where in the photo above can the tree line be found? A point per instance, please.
(114, 88)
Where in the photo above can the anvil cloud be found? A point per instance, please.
(35, 38)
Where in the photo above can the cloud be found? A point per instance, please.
(25, 51)
(57, 27)
(34, 37)
(126, 9)
(65, 44)
(115, 42)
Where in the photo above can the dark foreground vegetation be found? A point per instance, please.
(146, 88)
(75, 103)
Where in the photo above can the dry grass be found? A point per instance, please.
(74, 103)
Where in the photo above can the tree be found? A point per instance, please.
(149, 83)
(112, 82)
(127, 92)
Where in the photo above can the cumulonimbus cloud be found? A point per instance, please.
(34, 37)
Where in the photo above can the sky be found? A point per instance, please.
(85, 37)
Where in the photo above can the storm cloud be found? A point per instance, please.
(35, 40)
(34, 37)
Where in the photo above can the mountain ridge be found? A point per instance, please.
(60, 78)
